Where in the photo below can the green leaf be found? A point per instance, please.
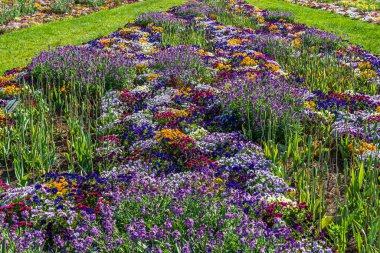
(361, 175)
(26, 177)
(326, 220)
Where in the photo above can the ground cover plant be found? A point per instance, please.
(218, 142)
(365, 10)
(18, 14)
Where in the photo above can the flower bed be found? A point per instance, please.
(177, 168)
(42, 11)
(362, 10)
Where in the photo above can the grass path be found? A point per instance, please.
(358, 32)
(17, 46)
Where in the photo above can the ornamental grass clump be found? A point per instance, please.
(175, 30)
(193, 9)
(82, 69)
(278, 15)
(61, 6)
(265, 105)
(181, 66)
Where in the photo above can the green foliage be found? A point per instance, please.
(61, 6)
(91, 2)
(14, 9)
(160, 209)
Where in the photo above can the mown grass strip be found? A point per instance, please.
(16, 47)
(359, 32)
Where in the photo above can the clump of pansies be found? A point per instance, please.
(3, 187)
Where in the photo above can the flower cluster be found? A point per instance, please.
(355, 113)
(362, 10)
(3, 187)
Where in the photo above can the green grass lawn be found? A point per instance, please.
(358, 32)
(17, 46)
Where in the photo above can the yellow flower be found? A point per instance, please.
(350, 146)
(274, 67)
(61, 186)
(152, 76)
(183, 92)
(251, 76)
(368, 73)
(364, 146)
(248, 61)
(212, 16)
(11, 90)
(7, 78)
(378, 109)
(171, 134)
(222, 66)
(142, 41)
(273, 27)
(364, 65)
(234, 42)
(310, 104)
(218, 180)
(157, 29)
(2, 114)
(296, 42)
(239, 54)
(180, 113)
(204, 52)
(261, 19)
(368, 146)
(140, 68)
(131, 29)
(227, 86)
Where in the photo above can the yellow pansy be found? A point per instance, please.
(11, 90)
(180, 113)
(171, 134)
(272, 66)
(61, 186)
(157, 29)
(7, 78)
(296, 42)
(251, 76)
(2, 114)
(222, 66)
(273, 27)
(248, 61)
(152, 76)
(310, 104)
(234, 42)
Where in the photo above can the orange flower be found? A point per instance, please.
(234, 42)
(273, 27)
(11, 90)
(171, 134)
